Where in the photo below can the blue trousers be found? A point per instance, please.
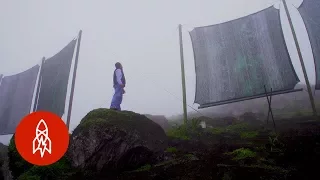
(117, 98)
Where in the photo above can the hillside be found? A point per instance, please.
(124, 145)
(285, 105)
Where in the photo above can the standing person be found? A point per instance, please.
(119, 82)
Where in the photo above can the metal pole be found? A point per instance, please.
(301, 59)
(183, 76)
(38, 86)
(1, 75)
(74, 79)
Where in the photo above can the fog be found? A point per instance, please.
(141, 34)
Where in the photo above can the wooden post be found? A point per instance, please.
(270, 109)
(38, 86)
(74, 79)
(183, 76)
(301, 59)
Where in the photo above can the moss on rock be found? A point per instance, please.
(102, 118)
(107, 141)
(60, 170)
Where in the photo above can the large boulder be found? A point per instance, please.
(108, 141)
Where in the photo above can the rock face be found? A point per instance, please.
(161, 120)
(4, 167)
(108, 141)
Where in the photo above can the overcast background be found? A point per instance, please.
(141, 34)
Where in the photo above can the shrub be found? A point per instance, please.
(22, 170)
(242, 153)
(185, 131)
(58, 170)
(17, 164)
(172, 150)
(248, 134)
(238, 127)
(179, 132)
(217, 130)
(146, 167)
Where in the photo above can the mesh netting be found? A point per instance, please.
(310, 12)
(236, 59)
(54, 81)
(16, 93)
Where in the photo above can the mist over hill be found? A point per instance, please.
(284, 105)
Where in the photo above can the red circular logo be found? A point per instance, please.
(42, 138)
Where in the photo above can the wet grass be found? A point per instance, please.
(171, 150)
(146, 167)
(185, 131)
(217, 130)
(242, 153)
(248, 134)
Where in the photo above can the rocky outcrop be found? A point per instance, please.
(4, 166)
(161, 120)
(108, 141)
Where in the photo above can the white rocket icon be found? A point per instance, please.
(42, 142)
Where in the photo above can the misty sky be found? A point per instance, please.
(141, 34)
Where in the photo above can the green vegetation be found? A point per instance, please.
(179, 132)
(217, 130)
(269, 167)
(29, 177)
(274, 143)
(238, 127)
(193, 160)
(144, 168)
(185, 131)
(242, 153)
(227, 176)
(189, 155)
(248, 134)
(17, 164)
(58, 170)
(22, 170)
(241, 128)
(127, 121)
(194, 124)
(172, 150)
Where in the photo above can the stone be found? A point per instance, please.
(108, 141)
